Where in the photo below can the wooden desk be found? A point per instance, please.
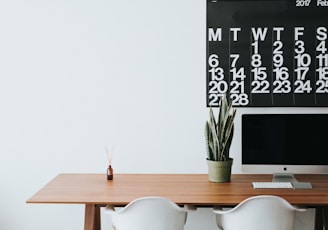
(94, 191)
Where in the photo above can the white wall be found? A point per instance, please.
(76, 75)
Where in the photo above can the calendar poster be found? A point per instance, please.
(267, 53)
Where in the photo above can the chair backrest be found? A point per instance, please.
(258, 213)
(149, 213)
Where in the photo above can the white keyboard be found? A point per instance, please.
(272, 185)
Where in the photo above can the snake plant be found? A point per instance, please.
(219, 132)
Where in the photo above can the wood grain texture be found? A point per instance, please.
(95, 191)
(192, 189)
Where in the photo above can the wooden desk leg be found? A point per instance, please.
(321, 218)
(97, 223)
(92, 217)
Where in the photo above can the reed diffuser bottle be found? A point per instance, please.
(109, 154)
(109, 173)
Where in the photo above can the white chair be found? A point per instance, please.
(149, 213)
(262, 212)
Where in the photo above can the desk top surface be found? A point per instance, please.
(192, 189)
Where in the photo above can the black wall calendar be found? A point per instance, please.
(265, 53)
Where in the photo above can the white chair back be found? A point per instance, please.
(258, 213)
(149, 213)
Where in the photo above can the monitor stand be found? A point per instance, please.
(289, 177)
(284, 177)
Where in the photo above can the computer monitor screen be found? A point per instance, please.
(285, 143)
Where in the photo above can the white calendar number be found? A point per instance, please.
(217, 74)
(236, 87)
(301, 72)
(220, 87)
(238, 74)
(277, 47)
(213, 60)
(303, 59)
(281, 73)
(322, 59)
(213, 99)
(302, 86)
(302, 3)
(322, 86)
(239, 99)
(299, 47)
(278, 60)
(282, 87)
(259, 73)
(323, 73)
(321, 47)
(234, 59)
(260, 86)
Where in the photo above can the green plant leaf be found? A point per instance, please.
(219, 133)
(208, 142)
